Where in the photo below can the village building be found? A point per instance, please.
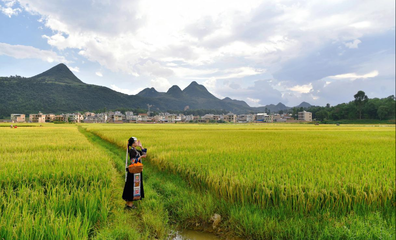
(101, 117)
(179, 118)
(142, 117)
(89, 114)
(37, 118)
(211, 117)
(90, 119)
(230, 117)
(129, 116)
(74, 117)
(118, 117)
(18, 118)
(49, 117)
(245, 118)
(189, 118)
(59, 118)
(305, 116)
(250, 117)
(276, 116)
(264, 117)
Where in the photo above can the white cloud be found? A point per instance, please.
(354, 76)
(184, 72)
(241, 72)
(353, 44)
(202, 33)
(123, 90)
(23, 52)
(210, 83)
(302, 88)
(8, 10)
(160, 84)
(262, 90)
(74, 69)
(175, 41)
(363, 24)
(253, 100)
(154, 69)
(232, 73)
(99, 74)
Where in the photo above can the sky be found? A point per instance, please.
(261, 52)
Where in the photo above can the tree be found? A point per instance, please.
(322, 115)
(295, 113)
(382, 112)
(328, 105)
(360, 99)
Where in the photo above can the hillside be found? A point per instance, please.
(58, 90)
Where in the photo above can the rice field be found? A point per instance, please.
(268, 181)
(54, 184)
(301, 169)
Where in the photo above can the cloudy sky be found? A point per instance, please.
(261, 52)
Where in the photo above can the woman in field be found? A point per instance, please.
(133, 189)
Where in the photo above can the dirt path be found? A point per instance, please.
(124, 223)
(170, 203)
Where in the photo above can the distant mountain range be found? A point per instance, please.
(58, 90)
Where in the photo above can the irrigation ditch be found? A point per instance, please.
(164, 213)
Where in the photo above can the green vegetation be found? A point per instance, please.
(292, 179)
(360, 109)
(54, 184)
(49, 187)
(58, 90)
(266, 181)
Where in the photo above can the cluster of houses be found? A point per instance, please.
(130, 117)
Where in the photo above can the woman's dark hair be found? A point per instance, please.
(131, 141)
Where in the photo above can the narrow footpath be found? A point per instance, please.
(170, 203)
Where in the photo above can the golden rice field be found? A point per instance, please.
(54, 184)
(268, 181)
(298, 168)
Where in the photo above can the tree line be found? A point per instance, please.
(362, 107)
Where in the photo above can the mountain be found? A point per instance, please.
(149, 92)
(59, 74)
(272, 108)
(304, 105)
(195, 90)
(238, 102)
(58, 90)
(279, 107)
(175, 92)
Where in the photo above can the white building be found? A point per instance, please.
(250, 118)
(189, 118)
(264, 117)
(101, 117)
(129, 116)
(38, 118)
(305, 116)
(18, 118)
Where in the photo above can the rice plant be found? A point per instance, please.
(54, 184)
(300, 168)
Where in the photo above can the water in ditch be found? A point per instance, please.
(194, 235)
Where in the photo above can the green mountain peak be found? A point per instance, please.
(59, 74)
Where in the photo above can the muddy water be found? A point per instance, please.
(194, 235)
